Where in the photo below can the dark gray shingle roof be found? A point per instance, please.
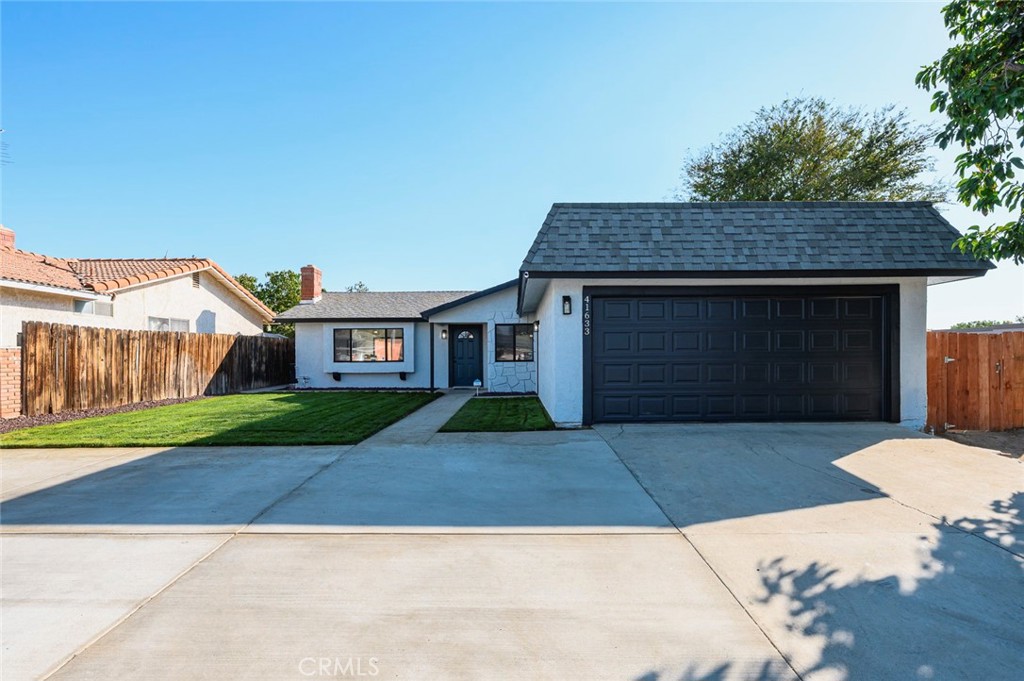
(371, 305)
(746, 237)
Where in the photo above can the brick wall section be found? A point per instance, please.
(10, 382)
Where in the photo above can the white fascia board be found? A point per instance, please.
(54, 290)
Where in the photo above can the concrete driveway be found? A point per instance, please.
(648, 553)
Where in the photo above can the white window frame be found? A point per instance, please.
(169, 321)
(100, 308)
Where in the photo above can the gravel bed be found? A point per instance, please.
(7, 425)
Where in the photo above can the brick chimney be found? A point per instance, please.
(6, 237)
(311, 291)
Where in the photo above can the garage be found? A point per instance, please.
(740, 354)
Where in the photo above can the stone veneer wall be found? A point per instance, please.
(10, 382)
(508, 377)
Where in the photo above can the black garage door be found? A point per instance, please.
(737, 357)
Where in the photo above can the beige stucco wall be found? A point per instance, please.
(211, 308)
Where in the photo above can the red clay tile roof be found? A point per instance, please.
(33, 268)
(103, 275)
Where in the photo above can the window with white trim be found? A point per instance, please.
(96, 307)
(168, 324)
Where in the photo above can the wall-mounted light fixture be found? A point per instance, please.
(536, 326)
(566, 304)
(444, 334)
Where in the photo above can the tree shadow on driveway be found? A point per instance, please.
(957, 614)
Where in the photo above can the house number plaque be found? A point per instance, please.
(586, 315)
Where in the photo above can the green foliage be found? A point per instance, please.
(298, 418)
(358, 287)
(281, 291)
(249, 282)
(808, 149)
(986, 323)
(979, 84)
(499, 414)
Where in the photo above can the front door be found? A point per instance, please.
(466, 353)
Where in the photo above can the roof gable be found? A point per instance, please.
(747, 237)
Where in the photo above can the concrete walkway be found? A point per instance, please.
(419, 426)
(650, 553)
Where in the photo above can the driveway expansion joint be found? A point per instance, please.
(710, 567)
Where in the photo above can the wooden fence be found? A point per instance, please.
(975, 380)
(76, 367)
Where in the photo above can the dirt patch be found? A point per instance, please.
(7, 425)
(1009, 442)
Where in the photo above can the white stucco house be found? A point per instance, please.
(776, 311)
(175, 294)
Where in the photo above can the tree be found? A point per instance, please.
(281, 291)
(983, 97)
(808, 149)
(358, 287)
(986, 323)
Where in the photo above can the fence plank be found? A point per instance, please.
(71, 367)
(969, 392)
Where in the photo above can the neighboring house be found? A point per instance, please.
(160, 294)
(785, 311)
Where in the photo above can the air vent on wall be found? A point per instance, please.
(195, 280)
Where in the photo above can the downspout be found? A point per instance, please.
(431, 356)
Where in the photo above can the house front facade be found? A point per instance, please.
(412, 339)
(788, 311)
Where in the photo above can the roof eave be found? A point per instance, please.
(317, 320)
(755, 274)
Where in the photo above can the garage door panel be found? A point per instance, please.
(756, 341)
(651, 310)
(718, 373)
(685, 340)
(824, 308)
(789, 309)
(750, 358)
(621, 341)
(787, 373)
(616, 309)
(652, 374)
(721, 310)
(789, 341)
(652, 405)
(756, 309)
(652, 341)
(756, 373)
(826, 340)
(720, 341)
(617, 374)
(686, 309)
(686, 373)
(755, 407)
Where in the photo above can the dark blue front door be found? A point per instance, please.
(466, 353)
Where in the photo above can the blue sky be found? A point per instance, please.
(410, 145)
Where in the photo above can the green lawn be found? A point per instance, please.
(499, 414)
(298, 418)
